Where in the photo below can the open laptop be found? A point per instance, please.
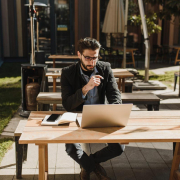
(105, 115)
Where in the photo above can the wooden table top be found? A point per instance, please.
(143, 126)
(63, 56)
(123, 73)
(43, 96)
(122, 48)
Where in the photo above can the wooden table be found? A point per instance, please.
(143, 126)
(118, 73)
(54, 57)
(54, 73)
(122, 74)
(131, 50)
(177, 54)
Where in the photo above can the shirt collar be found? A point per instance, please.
(95, 71)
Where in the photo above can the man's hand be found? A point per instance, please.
(94, 81)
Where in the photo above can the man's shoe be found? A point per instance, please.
(101, 173)
(84, 175)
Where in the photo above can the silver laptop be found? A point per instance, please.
(105, 115)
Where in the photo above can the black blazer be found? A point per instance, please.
(72, 83)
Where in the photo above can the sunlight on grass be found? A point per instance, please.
(9, 80)
(168, 76)
(10, 99)
(10, 92)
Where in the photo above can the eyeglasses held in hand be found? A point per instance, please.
(87, 58)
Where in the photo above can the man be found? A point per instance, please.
(88, 82)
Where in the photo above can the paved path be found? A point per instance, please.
(139, 161)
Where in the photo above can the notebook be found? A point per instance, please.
(67, 117)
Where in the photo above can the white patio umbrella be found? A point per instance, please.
(114, 17)
(114, 23)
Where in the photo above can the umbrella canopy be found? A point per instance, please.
(114, 17)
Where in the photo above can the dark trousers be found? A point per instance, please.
(88, 162)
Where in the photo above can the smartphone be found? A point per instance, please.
(53, 117)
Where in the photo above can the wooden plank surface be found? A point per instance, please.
(152, 127)
(139, 96)
(63, 57)
(20, 127)
(52, 97)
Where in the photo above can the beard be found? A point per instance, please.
(86, 66)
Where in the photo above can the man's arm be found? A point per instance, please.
(70, 100)
(112, 92)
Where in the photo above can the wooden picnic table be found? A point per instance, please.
(122, 74)
(54, 57)
(143, 126)
(131, 50)
(54, 73)
(118, 73)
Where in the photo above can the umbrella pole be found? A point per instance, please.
(125, 34)
(31, 13)
(146, 40)
(37, 30)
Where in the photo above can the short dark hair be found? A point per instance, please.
(88, 43)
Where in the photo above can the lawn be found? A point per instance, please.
(10, 98)
(167, 78)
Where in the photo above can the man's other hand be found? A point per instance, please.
(94, 81)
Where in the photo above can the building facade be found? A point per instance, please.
(61, 24)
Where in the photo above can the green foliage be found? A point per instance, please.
(5, 144)
(165, 78)
(151, 20)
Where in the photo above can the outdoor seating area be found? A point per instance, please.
(90, 90)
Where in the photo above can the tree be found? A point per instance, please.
(135, 18)
(170, 8)
(151, 20)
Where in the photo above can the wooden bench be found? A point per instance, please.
(128, 85)
(61, 63)
(20, 149)
(48, 98)
(151, 101)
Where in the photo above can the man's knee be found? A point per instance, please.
(70, 149)
(74, 150)
(117, 148)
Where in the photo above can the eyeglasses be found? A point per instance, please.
(87, 58)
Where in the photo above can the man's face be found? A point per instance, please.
(88, 59)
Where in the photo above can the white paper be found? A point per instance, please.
(67, 117)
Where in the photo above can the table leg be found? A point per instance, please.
(177, 54)
(42, 161)
(175, 164)
(54, 90)
(179, 86)
(19, 157)
(46, 158)
(54, 63)
(123, 85)
(133, 59)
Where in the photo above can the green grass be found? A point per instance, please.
(167, 78)
(10, 98)
(10, 91)
(5, 144)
